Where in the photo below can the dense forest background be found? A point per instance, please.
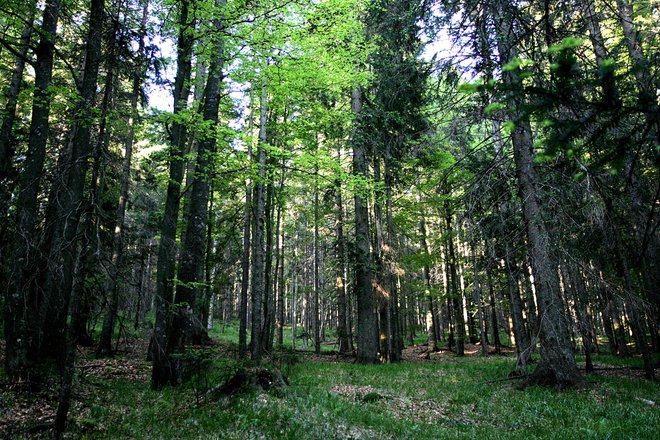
(359, 175)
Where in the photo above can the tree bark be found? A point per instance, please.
(340, 284)
(63, 250)
(455, 293)
(105, 341)
(258, 239)
(430, 309)
(184, 328)
(367, 341)
(161, 372)
(17, 364)
(557, 365)
(7, 141)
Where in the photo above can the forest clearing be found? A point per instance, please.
(329, 218)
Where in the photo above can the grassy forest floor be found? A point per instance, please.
(330, 397)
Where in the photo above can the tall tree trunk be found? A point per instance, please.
(455, 293)
(396, 341)
(367, 341)
(7, 141)
(483, 338)
(316, 317)
(245, 258)
(184, 328)
(269, 276)
(63, 252)
(90, 242)
(340, 284)
(17, 364)
(105, 341)
(280, 283)
(161, 372)
(379, 281)
(258, 241)
(644, 212)
(71, 201)
(430, 309)
(557, 365)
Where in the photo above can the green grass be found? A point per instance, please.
(455, 398)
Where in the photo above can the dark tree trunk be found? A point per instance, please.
(367, 341)
(17, 336)
(483, 338)
(269, 275)
(455, 293)
(184, 328)
(71, 201)
(430, 309)
(162, 373)
(495, 329)
(63, 252)
(90, 244)
(396, 341)
(523, 344)
(557, 365)
(7, 141)
(105, 341)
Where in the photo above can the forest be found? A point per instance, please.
(343, 219)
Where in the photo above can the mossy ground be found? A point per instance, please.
(444, 397)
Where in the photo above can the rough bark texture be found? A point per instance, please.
(18, 290)
(367, 341)
(161, 373)
(184, 328)
(557, 365)
(50, 336)
(76, 183)
(258, 239)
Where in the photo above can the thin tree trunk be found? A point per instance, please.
(105, 341)
(7, 141)
(281, 281)
(455, 293)
(258, 241)
(430, 309)
(340, 284)
(245, 258)
(316, 317)
(477, 291)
